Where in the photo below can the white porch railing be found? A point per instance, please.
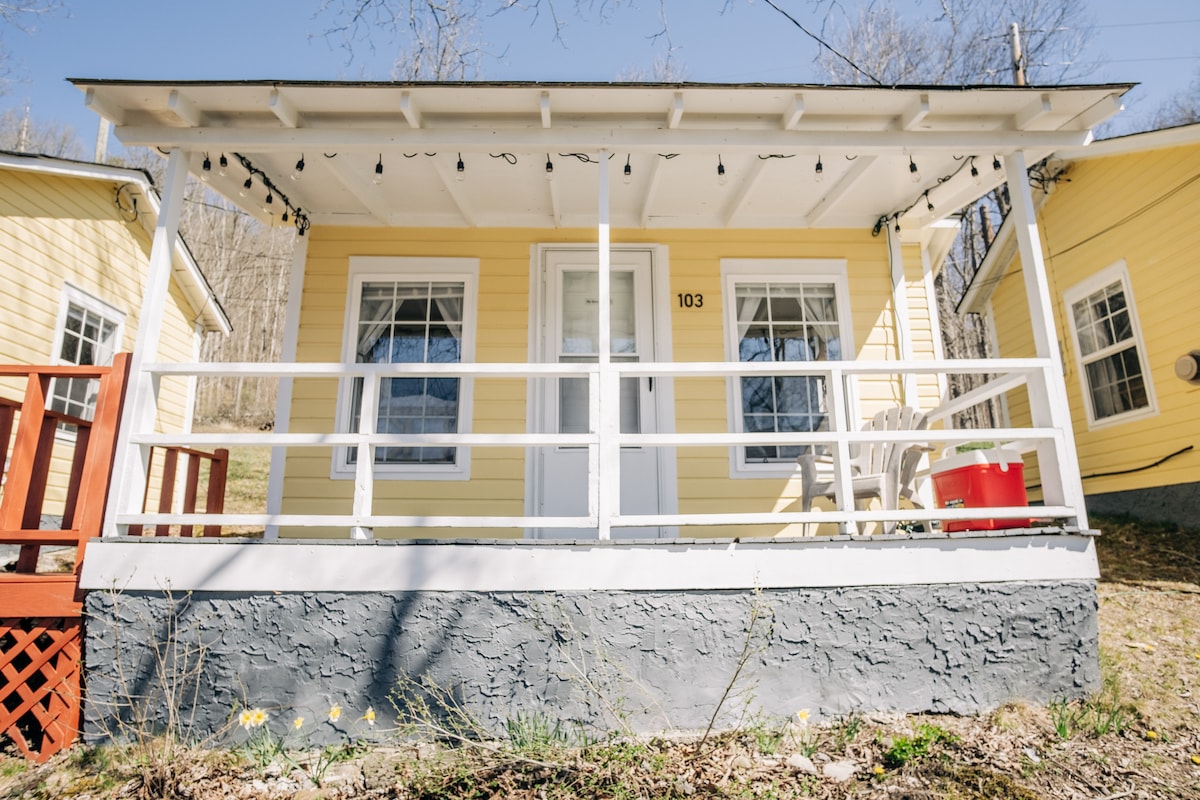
(1061, 488)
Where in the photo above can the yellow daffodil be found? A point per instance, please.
(258, 717)
(298, 723)
(802, 715)
(246, 719)
(335, 712)
(1151, 734)
(370, 716)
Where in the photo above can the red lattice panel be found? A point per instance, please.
(39, 690)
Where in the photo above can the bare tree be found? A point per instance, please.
(20, 133)
(953, 42)
(19, 16)
(1182, 108)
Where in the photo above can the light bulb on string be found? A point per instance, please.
(721, 179)
(246, 187)
(628, 171)
(378, 179)
(996, 163)
(460, 167)
(975, 172)
(913, 171)
(819, 171)
(299, 168)
(928, 203)
(549, 167)
(224, 165)
(207, 169)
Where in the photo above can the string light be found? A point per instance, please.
(720, 171)
(974, 171)
(378, 179)
(461, 167)
(628, 171)
(996, 163)
(913, 171)
(294, 213)
(224, 165)
(207, 167)
(549, 166)
(299, 168)
(928, 202)
(819, 171)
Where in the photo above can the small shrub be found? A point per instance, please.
(910, 748)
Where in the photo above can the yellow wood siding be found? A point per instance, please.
(57, 230)
(1139, 208)
(497, 480)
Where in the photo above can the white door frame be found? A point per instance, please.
(664, 388)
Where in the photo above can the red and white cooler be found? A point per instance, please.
(993, 477)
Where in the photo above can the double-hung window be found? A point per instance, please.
(1109, 349)
(411, 311)
(782, 311)
(89, 332)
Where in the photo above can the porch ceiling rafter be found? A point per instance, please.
(860, 167)
(370, 195)
(744, 189)
(284, 109)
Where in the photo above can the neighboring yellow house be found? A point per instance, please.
(1119, 235)
(75, 242)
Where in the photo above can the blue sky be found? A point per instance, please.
(1153, 42)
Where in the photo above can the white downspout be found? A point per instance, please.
(131, 462)
(1061, 484)
(283, 393)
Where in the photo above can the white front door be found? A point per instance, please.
(570, 325)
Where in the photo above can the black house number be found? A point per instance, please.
(689, 300)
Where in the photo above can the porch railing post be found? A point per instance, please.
(608, 502)
(364, 467)
(1058, 462)
(844, 486)
(133, 460)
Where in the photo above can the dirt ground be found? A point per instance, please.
(1139, 737)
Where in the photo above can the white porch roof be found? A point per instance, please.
(768, 138)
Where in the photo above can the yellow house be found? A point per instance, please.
(75, 242)
(1119, 240)
(552, 354)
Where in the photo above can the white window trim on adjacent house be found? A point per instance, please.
(415, 269)
(1115, 273)
(74, 296)
(736, 271)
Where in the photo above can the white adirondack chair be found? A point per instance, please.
(884, 470)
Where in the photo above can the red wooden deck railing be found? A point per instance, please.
(214, 495)
(40, 624)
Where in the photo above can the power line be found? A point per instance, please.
(824, 43)
(1147, 24)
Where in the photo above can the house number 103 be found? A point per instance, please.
(689, 300)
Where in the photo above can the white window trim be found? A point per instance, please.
(409, 268)
(1118, 272)
(799, 270)
(73, 295)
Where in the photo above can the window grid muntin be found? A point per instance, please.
(410, 306)
(1107, 341)
(805, 297)
(87, 338)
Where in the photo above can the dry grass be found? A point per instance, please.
(1150, 650)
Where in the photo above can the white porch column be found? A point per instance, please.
(131, 462)
(1049, 408)
(283, 395)
(609, 423)
(904, 345)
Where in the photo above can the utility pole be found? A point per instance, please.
(1018, 58)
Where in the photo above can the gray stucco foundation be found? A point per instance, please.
(1176, 503)
(658, 659)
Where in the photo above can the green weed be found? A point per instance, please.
(904, 749)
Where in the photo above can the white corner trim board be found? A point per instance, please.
(124, 564)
